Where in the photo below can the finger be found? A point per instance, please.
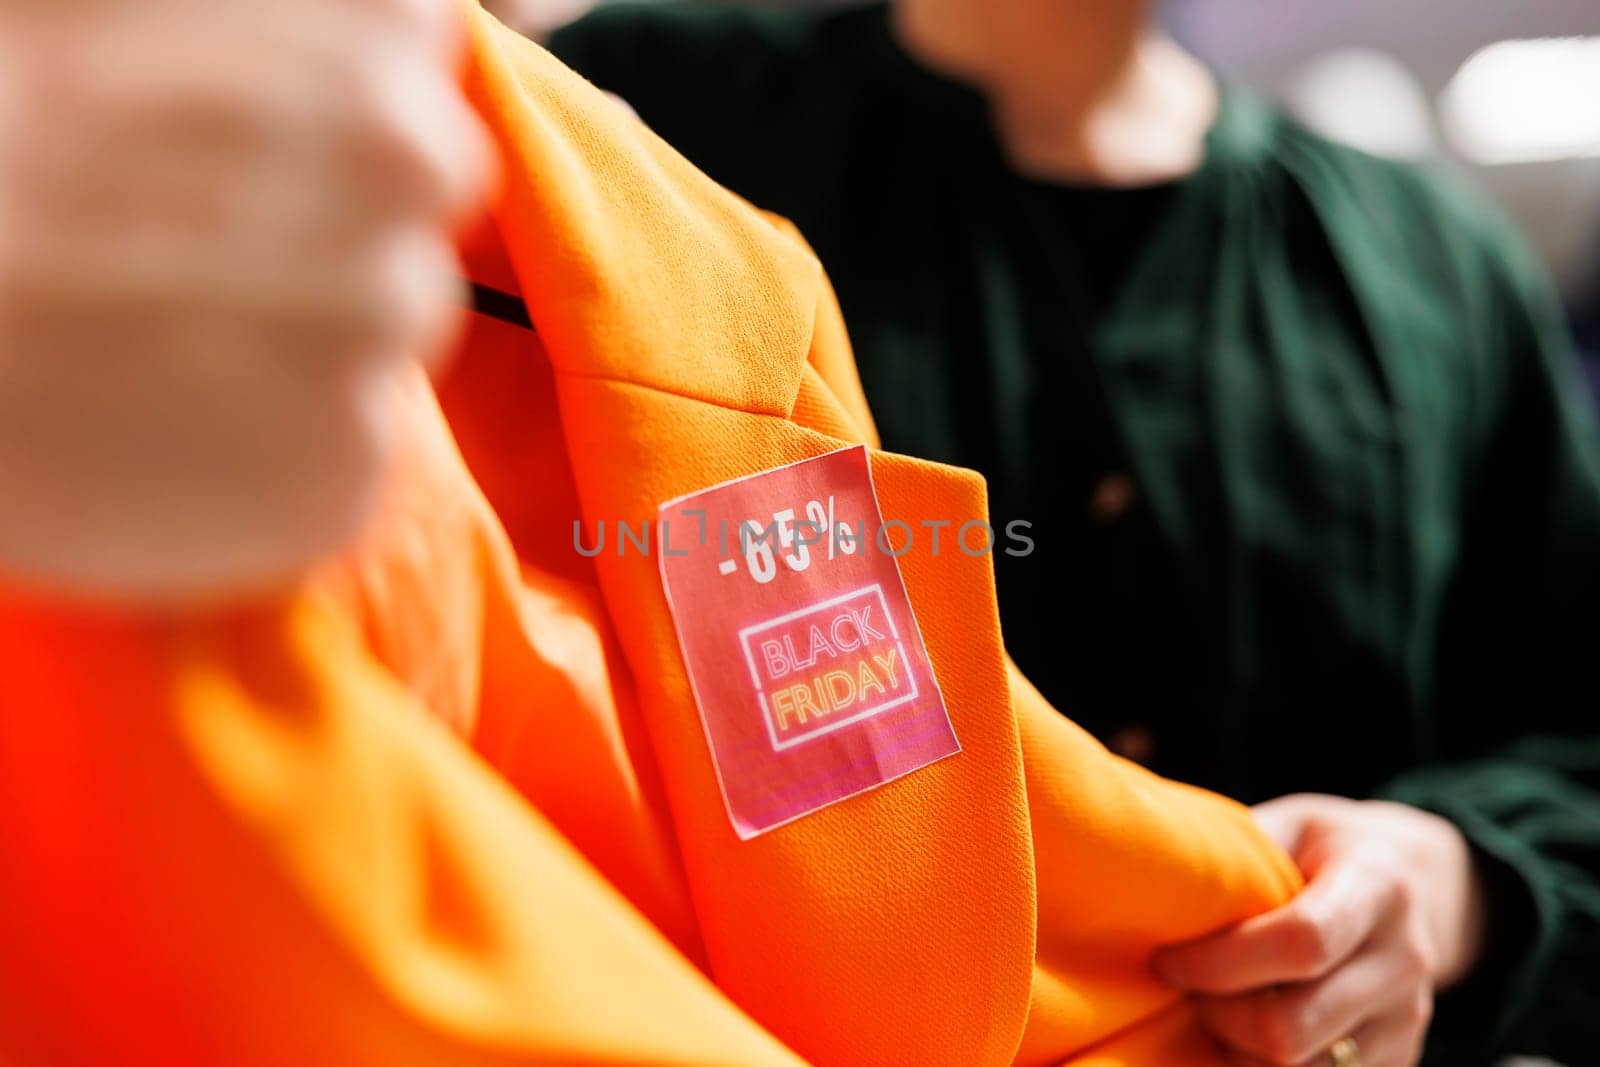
(444, 23)
(1282, 819)
(425, 291)
(1303, 940)
(457, 144)
(437, 24)
(1290, 1024)
(414, 142)
(402, 302)
(1397, 1038)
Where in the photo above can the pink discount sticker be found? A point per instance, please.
(805, 658)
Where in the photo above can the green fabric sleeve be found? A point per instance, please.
(1534, 820)
(1525, 669)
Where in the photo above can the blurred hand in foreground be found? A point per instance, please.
(1392, 911)
(224, 236)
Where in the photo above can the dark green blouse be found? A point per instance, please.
(1314, 486)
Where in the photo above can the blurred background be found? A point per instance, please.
(1507, 92)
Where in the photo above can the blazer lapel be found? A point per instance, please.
(689, 351)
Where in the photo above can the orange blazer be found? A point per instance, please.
(450, 801)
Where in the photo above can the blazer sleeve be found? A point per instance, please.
(239, 841)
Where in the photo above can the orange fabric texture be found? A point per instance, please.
(450, 802)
